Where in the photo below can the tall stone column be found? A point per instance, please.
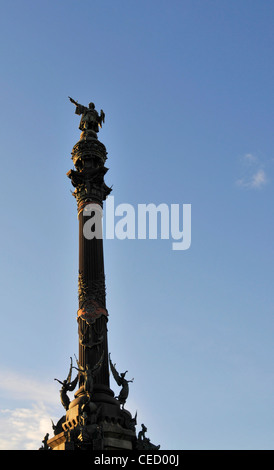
(89, 156)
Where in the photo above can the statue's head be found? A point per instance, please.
(91, 105)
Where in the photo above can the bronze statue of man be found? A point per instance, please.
(90, 119)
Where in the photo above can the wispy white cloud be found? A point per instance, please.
(258, 179)
(249, 157)
(20, 386)
(255, 181)
(24, 428)
(254, 173)
(31, 406)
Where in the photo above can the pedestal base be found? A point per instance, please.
(106, 436)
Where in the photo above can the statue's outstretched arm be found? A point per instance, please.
(73, 101)
(62, 383)
(79, 107)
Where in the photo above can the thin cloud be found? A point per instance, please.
(24, 427)
(20, 386)
(254, 174)
(258, 180)
(249, 157)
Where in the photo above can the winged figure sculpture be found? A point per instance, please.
(122, 382)
(89, 373)
(67, 386)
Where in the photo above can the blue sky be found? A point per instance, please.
(187, 89)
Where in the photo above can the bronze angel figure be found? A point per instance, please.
(89, 373)
(122, 382)
(67, 386)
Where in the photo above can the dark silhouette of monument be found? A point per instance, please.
(94, 419)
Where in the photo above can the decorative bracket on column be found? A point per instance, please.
(91, 299)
